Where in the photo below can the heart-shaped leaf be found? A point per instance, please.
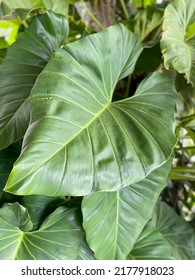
(79, 141)
(114, 220)
(59, 237)
(178, 39)
(19, 70)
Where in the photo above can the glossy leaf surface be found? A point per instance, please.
(79, 141)
(59, 237)
(114, 220)
(19, 70)
(178, 39)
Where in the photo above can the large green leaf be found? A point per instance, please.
(114, 220)
(59, 237)
(151, 246)
(178, 39)
(79, 141)
(167, 236)
(19, 70)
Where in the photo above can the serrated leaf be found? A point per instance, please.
(79, 141)
(19, 70)
(113, 220)
(178, 42)
(59, 237)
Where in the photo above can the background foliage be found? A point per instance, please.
(97, 129)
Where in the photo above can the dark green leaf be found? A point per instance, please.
(7, 158)
(145, 22)
(151, 246)
(77, 129)
(176, 231)
(149, 60)
(58, 238)
(114, 220)
(40, 206)
(19, 70)
(85, 252)
(167, 236)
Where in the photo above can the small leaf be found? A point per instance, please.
(178, 38)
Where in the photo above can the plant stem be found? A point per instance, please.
(25, 23)
(124, 9)
(91, 15)
(188, 118)
(185, 148)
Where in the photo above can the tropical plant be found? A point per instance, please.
(93, 123)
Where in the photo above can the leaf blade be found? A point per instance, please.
(19, 70)
(114, 220)
(90, 128)
(178, 50)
